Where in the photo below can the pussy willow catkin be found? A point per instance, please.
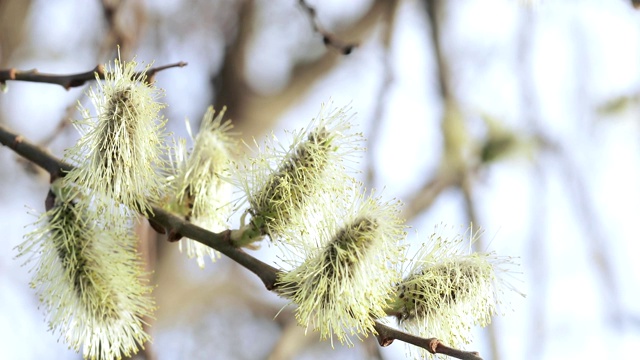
(448, 290)
(119, 153)
(281, 185)
(200, 189)
(89, 279)
(354, 259)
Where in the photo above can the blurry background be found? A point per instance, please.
(521, 118)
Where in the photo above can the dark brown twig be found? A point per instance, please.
(71, 80)
(329, 39)
(221, 242)
(386, 335)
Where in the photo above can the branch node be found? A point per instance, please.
(328, 38)
(173, 235)
(385, 341)
(17, 141)
(157, 227)
(433, 345)
(100, 70)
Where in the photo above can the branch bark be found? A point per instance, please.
(386, 335)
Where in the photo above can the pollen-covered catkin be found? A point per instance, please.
(353, 259)
(88, 277)
(200, 188)
(119, 152)
(448, 290)
(282, 185)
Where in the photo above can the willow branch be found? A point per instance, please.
(72, 80)
(220, 242)
(386, 335)
(431, 189)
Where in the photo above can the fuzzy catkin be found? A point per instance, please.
(354, 258)
(282, 186)
(89, 280)
(200, 188)
(448, 290)
(120, 151)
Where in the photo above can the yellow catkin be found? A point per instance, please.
(200, 187)
(120, 151)
(283, 185)
(89, 280)
(353, 259)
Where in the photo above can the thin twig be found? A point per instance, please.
(221, 242)
(329, 39)
(431, 189)
(72, 80)
(386, 335)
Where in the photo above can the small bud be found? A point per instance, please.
(88, 278)
(344, 281)
(281, 185)
(120, 148)
(202, 193)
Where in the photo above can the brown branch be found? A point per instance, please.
(431, 189)
(33, 153)
(220, 242)
(71, 80)
(329, 39)
(153, 71)
(386, 335)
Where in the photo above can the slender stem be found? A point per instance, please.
(386, 335)
(329, 39)
(71, 80)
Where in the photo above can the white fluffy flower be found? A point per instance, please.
(282, 183)
(200, 188)
(120, 149)
(88, 278)
(342, 280)
(448, 289)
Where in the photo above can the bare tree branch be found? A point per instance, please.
(329, 39)
(72, 80)
(386, 335)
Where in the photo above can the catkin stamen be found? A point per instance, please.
(445, 284)
(199, 189)
(88, 277)
(289, 189)
(348, 247)
(121, 145)
(72, 252)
